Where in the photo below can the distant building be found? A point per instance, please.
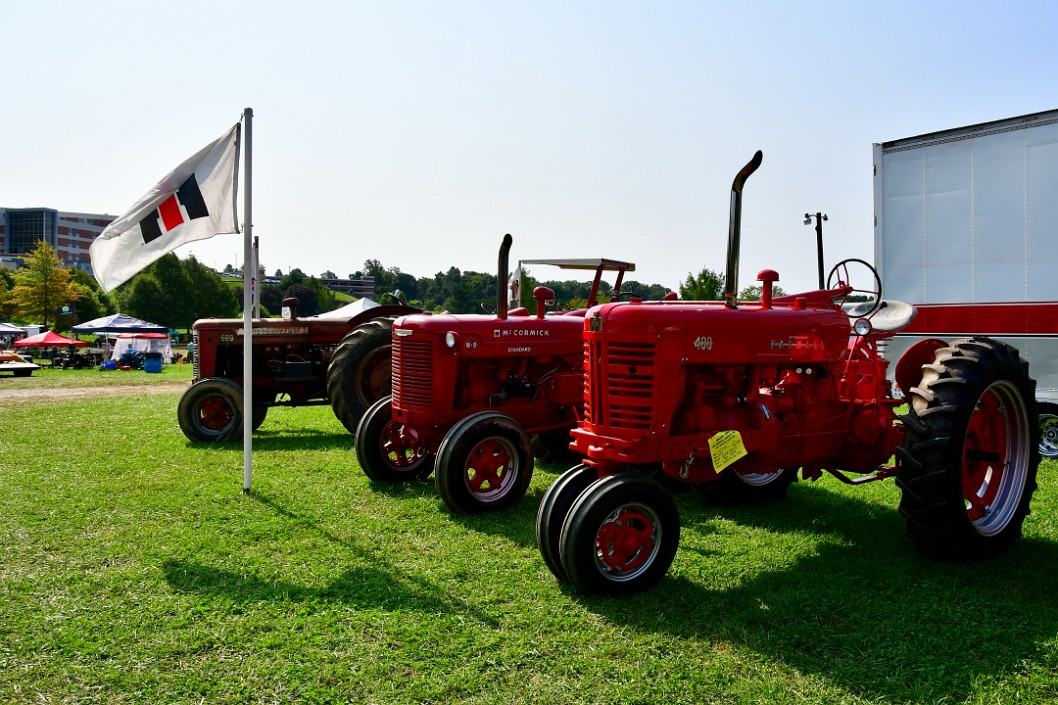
(70, 234)
(364, 287)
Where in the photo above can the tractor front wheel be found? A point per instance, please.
(359, 372)
(554, 507)
(621, 536)
(971, 452)
(211, 411)
(1048, 416)
(389, 451)
(733, 488)
(484, 463)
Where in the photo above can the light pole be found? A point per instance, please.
(820, 217)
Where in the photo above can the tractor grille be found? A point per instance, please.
(618, 390)
(412, 373)
(194, 358)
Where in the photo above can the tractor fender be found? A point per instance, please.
(909, 367)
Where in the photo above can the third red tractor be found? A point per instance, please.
(734, 398)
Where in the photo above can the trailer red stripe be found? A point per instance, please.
(995, 319)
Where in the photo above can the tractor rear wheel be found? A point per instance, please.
(389, 451)
(1048, 415)
(621, 536)
(484, 463)
(746, 488)
(554, 507)
(210, 411)
(359, 371)
(971, 452)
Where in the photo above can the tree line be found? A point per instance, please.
(177, 292)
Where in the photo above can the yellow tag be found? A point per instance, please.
(725, 448)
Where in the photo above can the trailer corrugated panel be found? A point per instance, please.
(966, 228)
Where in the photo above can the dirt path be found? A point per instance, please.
(16, 395)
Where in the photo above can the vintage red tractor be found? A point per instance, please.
(470, 390)
(340, 357)
(734, 398)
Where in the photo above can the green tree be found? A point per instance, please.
(271, 299)
(211, 296)
(328, 275)
(406, 283)
(142, 298)
(325, 298)
(164, 297)
(42, 286)
(753, 293)
(306, 297)
(7, 282)
(707, 286)
(95, 303)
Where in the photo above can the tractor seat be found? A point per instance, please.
(891, 314)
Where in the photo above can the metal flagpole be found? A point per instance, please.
(249, 281)
(256, 272)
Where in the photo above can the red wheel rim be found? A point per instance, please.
(491, 468)
(401, 446)
(995, 458)
(215, 413)
(627, 541)
(375, 383)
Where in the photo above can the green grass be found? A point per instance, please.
(134, 570)
(57, 378)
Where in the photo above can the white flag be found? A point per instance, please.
(194, 202)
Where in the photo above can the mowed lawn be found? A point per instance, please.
(133, 569)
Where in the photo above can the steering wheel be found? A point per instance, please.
(840, 275)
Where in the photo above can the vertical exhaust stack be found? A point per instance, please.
(501, 278)
(734, 230)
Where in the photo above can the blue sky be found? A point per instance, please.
(418, 133)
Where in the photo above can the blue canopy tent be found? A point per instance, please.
(115, 324)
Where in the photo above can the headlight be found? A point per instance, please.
(450, 339)
(862, 327)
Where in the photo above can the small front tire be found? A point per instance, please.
(733, 488)
(389, 451)
(554, 508)
(210, 411)
(484, 463)
(621, 536)
(1048, 415)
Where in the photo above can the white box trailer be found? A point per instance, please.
(966, 229)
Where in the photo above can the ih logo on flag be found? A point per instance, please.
(169, 211)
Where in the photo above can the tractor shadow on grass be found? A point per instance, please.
(283, 441)
(515, 523)
(837, 589)
(373, 583)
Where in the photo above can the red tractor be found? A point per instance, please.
(733, 398)
(470, 390)
(340, 357)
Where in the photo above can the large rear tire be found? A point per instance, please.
(389, 451)
(971, 452)
(621, 536)
(484, 463)
(359, 372)
(210, 411)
